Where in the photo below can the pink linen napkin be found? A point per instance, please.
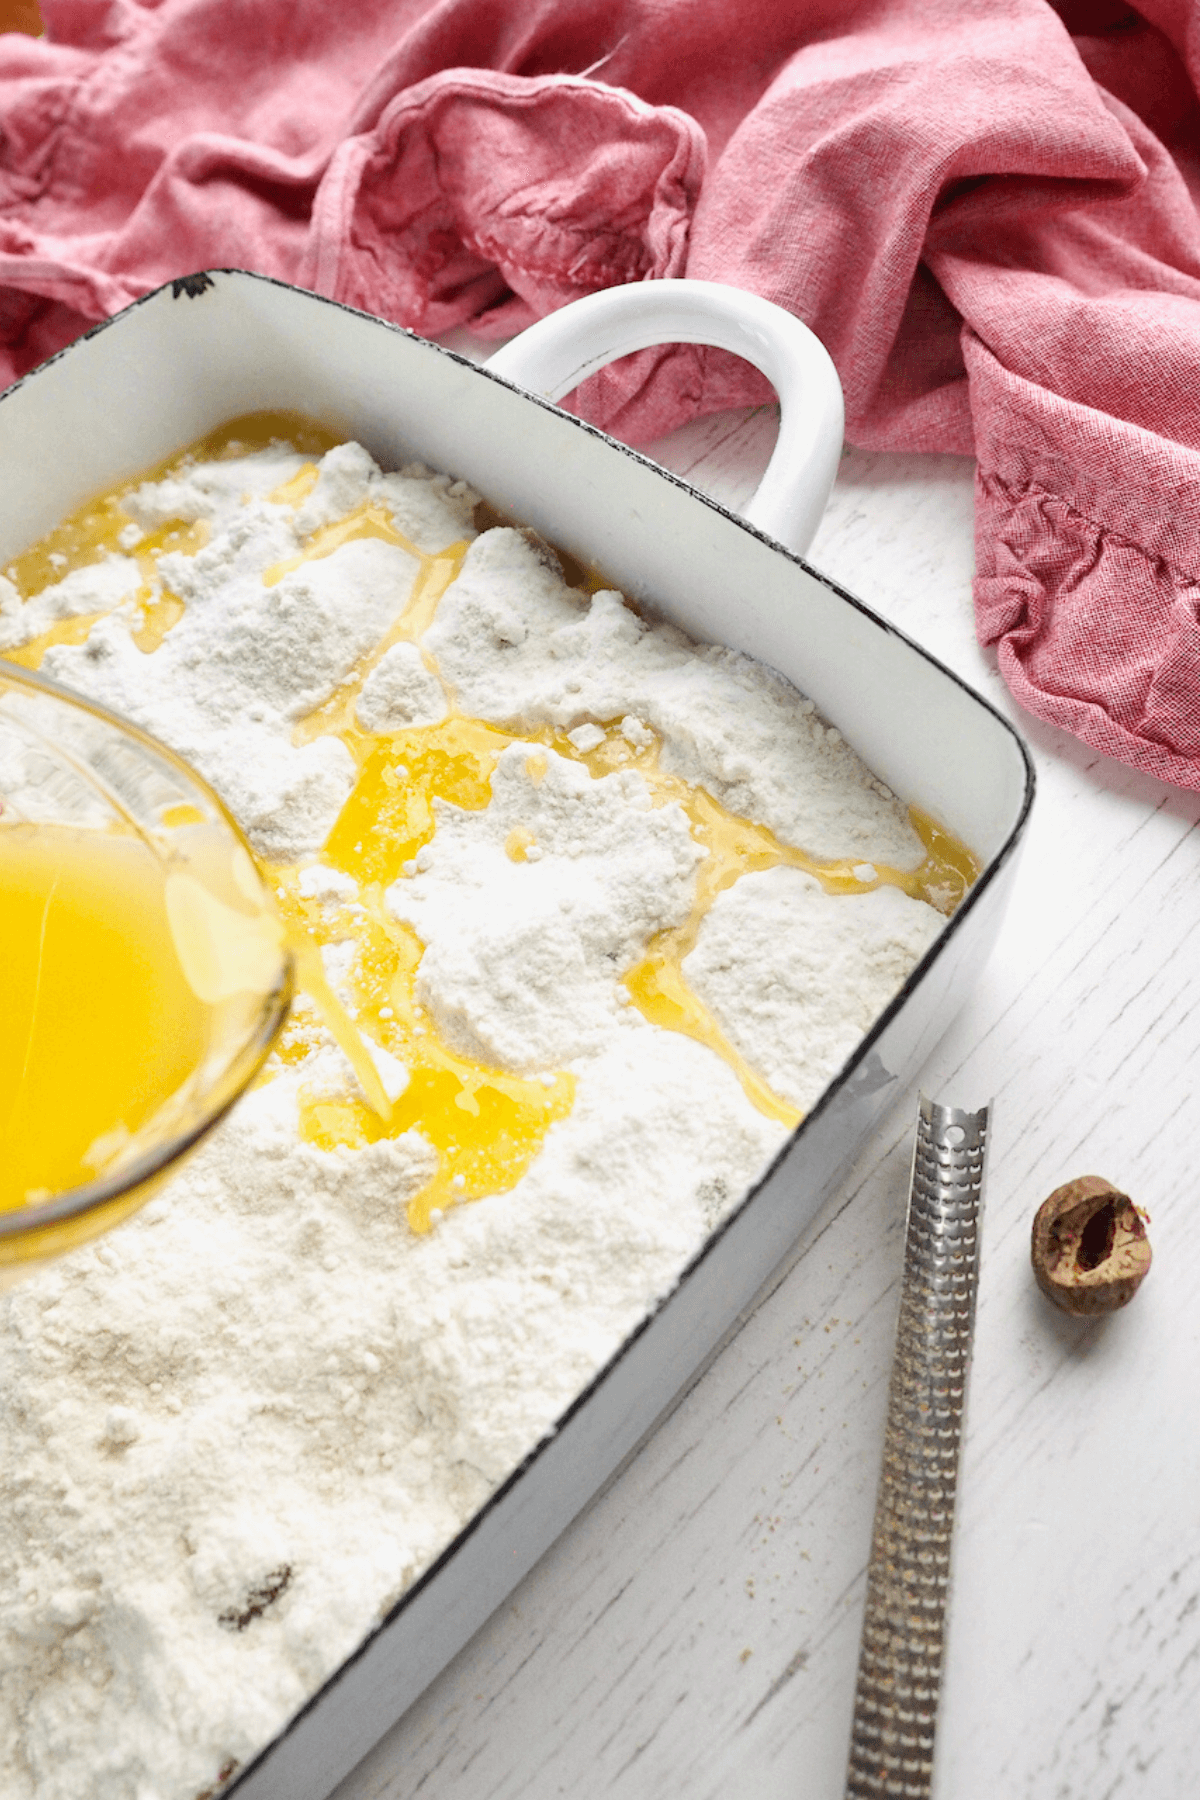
(989, 215)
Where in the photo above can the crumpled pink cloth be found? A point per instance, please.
(988, 214)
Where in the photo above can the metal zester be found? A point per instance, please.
(900, 1659)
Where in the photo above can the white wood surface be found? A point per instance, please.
(694, 1634)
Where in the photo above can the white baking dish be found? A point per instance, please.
(193, 354)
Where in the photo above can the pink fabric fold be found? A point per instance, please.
(494, 199)
(989, 215)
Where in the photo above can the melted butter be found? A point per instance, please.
(159, 615)
(736, 846)
(84, 537)
(484, 1125)
(93, 531)
(336, 714)
(310, 978)
(301, 485)
(184, 814)
(367, 520)
(176, 534)
(101, 1023)
(250, 432)
(63, 631)
(518, 844)
(389, 817)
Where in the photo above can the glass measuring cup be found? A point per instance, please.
(77, 779)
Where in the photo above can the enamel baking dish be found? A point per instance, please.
(198, 352)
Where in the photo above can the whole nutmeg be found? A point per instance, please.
(1090, 1250)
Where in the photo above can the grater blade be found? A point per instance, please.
(900, 1658)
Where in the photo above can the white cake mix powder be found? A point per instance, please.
(236, 1430)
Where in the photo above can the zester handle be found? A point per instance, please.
(900, 1659)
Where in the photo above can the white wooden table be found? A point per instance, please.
(694, 1634)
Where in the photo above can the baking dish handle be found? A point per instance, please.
(555, 355)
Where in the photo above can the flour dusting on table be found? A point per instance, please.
(239, 1427)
